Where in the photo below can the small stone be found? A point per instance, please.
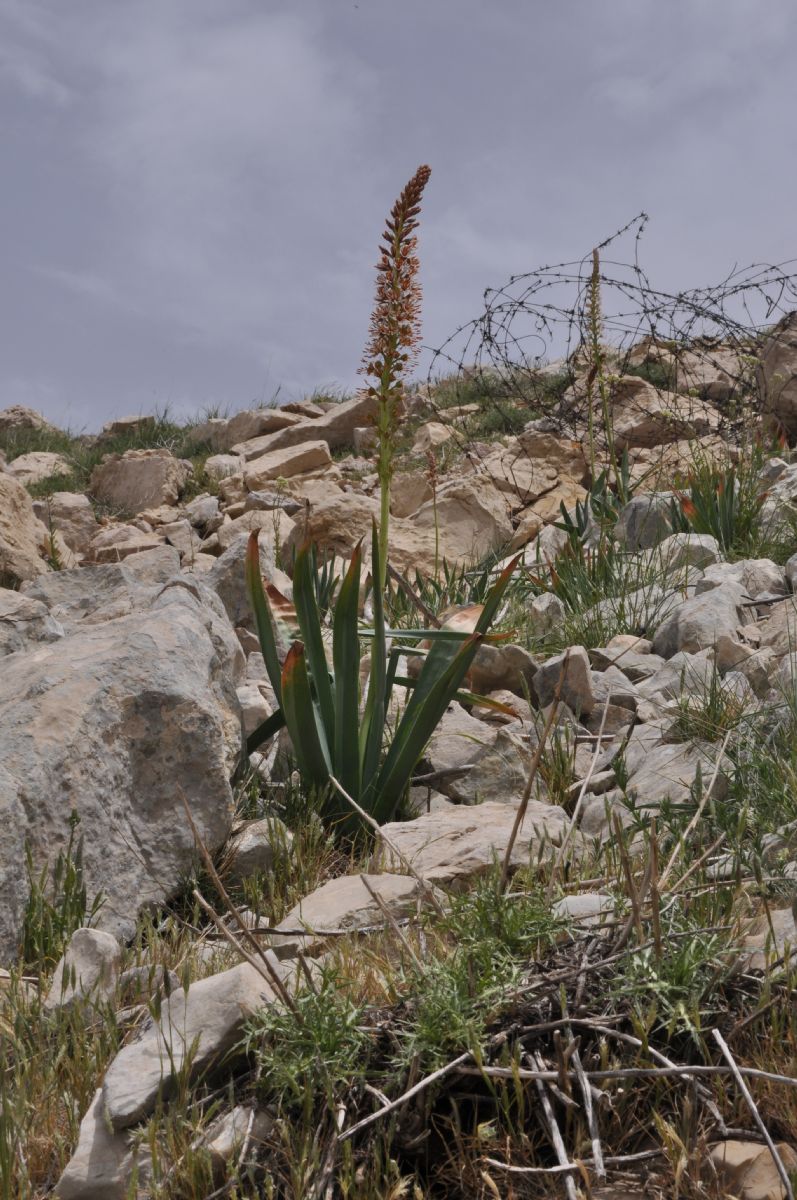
(576, 689)
(225, 1137)
(252, 846)
(88, 970)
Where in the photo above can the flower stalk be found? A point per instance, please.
(395, 336)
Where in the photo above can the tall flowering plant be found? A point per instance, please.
(395, 335)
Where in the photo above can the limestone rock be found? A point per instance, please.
(226, 577)
(23, 538)
(472, 519)
(71, 514)
(225, 1137)
(336, 427)
(749, 1169)
(18, 416)
(577, 688)
(346, 903)
(203, 512)
(97, 593)
(500, 769)
(645, 521)
(37, 466)
(408, 491)
(24, 621)
(252, 848)
(88, 970)
(458, 739)
(221, 434)
(644, 416)
(777, 375)
(757, 576)
(114, 543)
(463, 842)
(709, 369)
(105, 721)
(292, 460)
(698, 622)
(139, 479)
(663, 770)
(132, 426)
(254, 708)
(208, 1017)
(223, 466)
(684, 550)
(103, 1162)
(430, 436)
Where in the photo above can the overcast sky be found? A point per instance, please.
(193, 190)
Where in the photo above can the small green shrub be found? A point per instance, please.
(321, 1045)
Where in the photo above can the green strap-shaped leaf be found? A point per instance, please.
(309, 618)
(262, 614)
(304, 725)
(346, 662)
(414, 730)
(443, 671)
(265, 730)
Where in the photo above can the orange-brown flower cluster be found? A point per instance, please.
(395, 330)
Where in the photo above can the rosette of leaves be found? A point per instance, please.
(340, 736)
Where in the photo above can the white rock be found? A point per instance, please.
(24, 621)
(71, 514)
(106, 721)
(37, 466)
(284, 463)
(88, 970)
(103, 1163)
(207, 1020)
(698, 622)
(23, 538)
(463, 842)
(252, 848)
(139, 479)
(577, 687)
(430, 436)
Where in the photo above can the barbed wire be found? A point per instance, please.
(526, 350)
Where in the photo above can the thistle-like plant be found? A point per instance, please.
(394, 340)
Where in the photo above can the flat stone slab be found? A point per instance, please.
(464, 841)
(205, 1020)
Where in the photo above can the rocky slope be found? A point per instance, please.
(130, 673)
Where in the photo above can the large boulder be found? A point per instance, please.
(18, 416)
(644, 416)
(71, 514)
(227, 577)
(777, 376)
(38, 466)
(139, 479)
(117, 721)
(698, 622)
(221, 434)
(336, 428)
(282, 464)
(23, 538)
(470, 521)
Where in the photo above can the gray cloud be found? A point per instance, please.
(194, 189)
